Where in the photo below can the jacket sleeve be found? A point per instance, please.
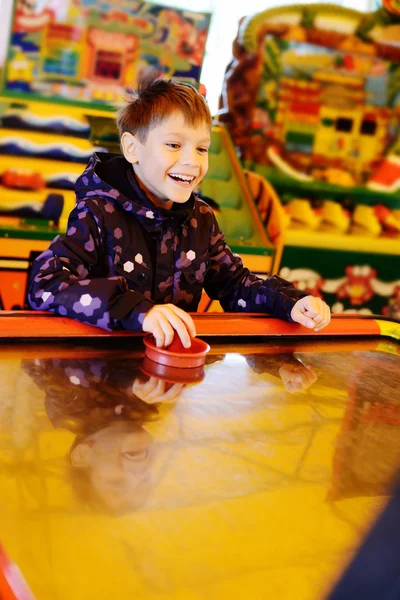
(239, 290)
(70, 277)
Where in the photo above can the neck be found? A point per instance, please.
(167, 204)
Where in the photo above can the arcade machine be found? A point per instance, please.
(312, 101)
(66, 72)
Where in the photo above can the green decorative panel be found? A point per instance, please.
(348, 281)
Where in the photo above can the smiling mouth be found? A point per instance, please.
(185, 179)
(136, 456)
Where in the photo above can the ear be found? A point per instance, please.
(81, 455)
(129, 144)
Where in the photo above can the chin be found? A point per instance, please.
(183, 196)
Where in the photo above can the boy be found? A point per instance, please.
(139, 247)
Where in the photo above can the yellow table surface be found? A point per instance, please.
(234, 487)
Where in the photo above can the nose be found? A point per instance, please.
(189, 157)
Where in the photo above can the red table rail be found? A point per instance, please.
(12, 584)
(34, 324)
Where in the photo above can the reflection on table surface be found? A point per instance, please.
(260, 480)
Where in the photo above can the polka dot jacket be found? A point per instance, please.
(121, 255)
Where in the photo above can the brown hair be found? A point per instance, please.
(154, 100)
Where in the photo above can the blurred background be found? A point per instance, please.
(223, 29)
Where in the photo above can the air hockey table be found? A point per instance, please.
(270, 472)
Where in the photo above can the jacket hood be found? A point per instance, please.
(111, 176)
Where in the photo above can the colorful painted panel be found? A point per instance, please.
(312, 101)
(92, 52)
(314, 91)
(331, 107)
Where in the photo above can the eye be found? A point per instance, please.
(202, 150)
(173, 146)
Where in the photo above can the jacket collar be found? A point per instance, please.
(104, 175)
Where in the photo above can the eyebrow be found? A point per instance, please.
(202, 141)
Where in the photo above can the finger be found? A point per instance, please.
(149, 320)
(172, 394)
(168, 331)
(326, 318)
(323, 316)
(319, 317)
(143, 389)
(158, 390)
(308, 377)
(327, 315)
(298, 374)
(156, 394)
(304, 372)
(187, 319)
(311, 373)
(293, 386)
(150, 384)
(138, 386)
(158, 334)
(299, 317)
(179, 326)
(312, 306)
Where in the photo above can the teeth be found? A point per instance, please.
(186, 178)
(135, 456)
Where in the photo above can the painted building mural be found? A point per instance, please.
(93, 51)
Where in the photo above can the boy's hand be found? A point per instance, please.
(297, 377)
(311, 312)
(154, 390)
(164, 319)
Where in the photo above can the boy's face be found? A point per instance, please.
(120, 459)
(172, 161)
